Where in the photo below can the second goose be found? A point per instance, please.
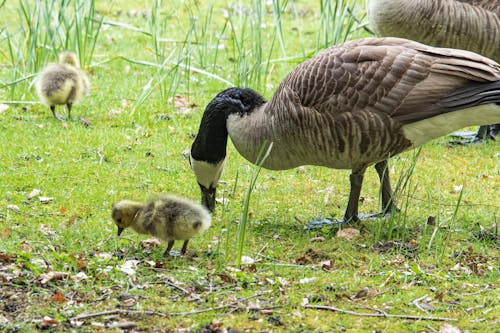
(350, 106)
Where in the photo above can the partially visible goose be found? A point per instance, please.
(62, 83)
(472, 25)
(348, 107)
(167, 217)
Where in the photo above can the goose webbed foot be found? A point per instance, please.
(332, 223)
(485, 133)
(351, 215)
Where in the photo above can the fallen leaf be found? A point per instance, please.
(3, 108)
(129, 267)
(4, 233)
(79, 277)
(45, 200)
(35, 192)
(245, 260)
(326, 265)
(46, 230)
(151, 242)
(52, 276)
(182, 104)
(307, 280)
(48, 322)
(348, 233)
(63, 210)
(104, 255)
(361, 294)
(4, 257)
(318, 239)
(86, 122)
(123, 325)
(14, 208)
(58, 297)
(447, 328)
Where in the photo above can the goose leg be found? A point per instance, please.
(487, 132)
(69, 110)
(184, 247)
(351, 212)
(356, 179)
(484, 133)
(169, 247)
(388, 204)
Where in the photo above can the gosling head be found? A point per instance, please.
(208, 151)
(123, 214)
(69, 58)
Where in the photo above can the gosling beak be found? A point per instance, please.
(119, 231)
(208, 197)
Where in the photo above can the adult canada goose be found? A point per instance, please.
(472, 25)
(167, 217)
(348, 107)
(62, 83)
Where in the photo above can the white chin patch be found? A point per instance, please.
(207, 174)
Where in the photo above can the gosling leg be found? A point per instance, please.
(69, 110)
(169, 247)
(53, 109)
(184, 247)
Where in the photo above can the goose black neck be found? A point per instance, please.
(211, 141)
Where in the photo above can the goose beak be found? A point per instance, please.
(119, 231)
(208, 197)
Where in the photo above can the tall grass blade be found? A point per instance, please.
(242, 226)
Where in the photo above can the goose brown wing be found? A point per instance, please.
(406, 80)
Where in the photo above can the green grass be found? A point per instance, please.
(145, 54)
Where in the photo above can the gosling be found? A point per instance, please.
(166, 217)
(62, 83)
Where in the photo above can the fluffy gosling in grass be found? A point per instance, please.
(62, 83)
(166, 217)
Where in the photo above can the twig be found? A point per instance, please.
(188, 313)
(416, 302)
(118, 311)
(161, 314)
(387, 315)
(173, 285)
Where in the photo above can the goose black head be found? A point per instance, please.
(208, 151)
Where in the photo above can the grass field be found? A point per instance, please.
(153, 66)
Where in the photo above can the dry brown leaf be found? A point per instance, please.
(86, 122)
(348, 233)
(151, 242)
(4, 257)
(361, 294)
(4, 233)
(48, 322)
(58, 297)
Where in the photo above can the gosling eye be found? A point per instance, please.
(119, 221)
